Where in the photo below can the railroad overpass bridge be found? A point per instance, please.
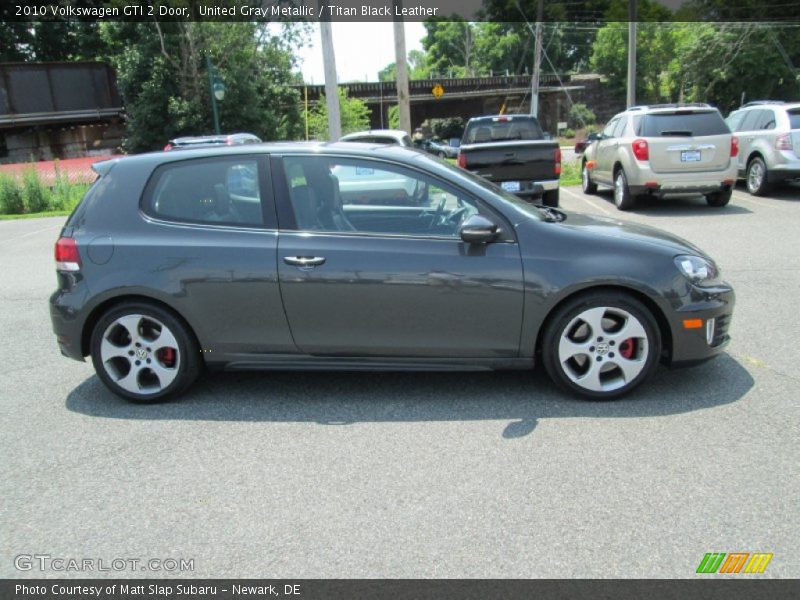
(473, 96)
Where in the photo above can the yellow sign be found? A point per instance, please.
(437, 91)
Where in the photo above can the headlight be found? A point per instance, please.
(697, 270)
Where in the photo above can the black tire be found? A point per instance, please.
(615, 381)
(185, 358)
(756, 177)
(623, 198)
(719, 199)
(442, 155)
(587, 185)
(550, 198)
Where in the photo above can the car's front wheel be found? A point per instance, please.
(601, 345)
(587, 185)
(622, 193)
(143, 353)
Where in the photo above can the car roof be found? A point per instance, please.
(395, 133)
(659, 108)
(501, 117)
(358, 149)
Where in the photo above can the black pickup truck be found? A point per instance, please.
(511, 151)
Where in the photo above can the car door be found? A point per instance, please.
(387, 278)
(606, 151)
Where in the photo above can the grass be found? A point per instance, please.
(28, 197)
(571, 173)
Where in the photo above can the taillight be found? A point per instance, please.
(167, 147)
(640, 149)
(784, 142)
(734, 146)
(67, 256)
(462, 160)
(558, 161)
(229, 141)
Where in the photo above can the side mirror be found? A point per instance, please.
(477, 229)
(593, 136)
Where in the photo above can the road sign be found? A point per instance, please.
(437, 91)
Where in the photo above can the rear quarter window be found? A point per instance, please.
(683, 123)
(794, 118)
(214, 191)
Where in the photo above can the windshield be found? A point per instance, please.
(509, 198)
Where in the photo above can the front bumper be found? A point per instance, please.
(713, 309)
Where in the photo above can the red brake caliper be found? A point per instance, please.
(168, 357)
(627, 348)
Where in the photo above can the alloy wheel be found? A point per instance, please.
(140, 354)
(603, 349)
(755, 176)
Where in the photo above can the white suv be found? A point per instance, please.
(769, 133)
(663, 149)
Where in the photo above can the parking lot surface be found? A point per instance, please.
(418, 475)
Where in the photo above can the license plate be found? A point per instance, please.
(690, 156)
(510, 186)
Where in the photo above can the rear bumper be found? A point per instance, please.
(714, 308)
(783, 172)
(534, 189)
(690, 188)
(67, 325)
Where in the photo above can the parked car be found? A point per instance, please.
(205, 141)
(581, 145)
(379, 136)
(166, 268)
(438, 147)
(512, 151)
(769, 143)
(661, 150)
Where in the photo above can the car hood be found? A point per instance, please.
(615, 228)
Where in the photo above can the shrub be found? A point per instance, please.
(580, 115)
(568, 133)
(37, 196)
(12, 201)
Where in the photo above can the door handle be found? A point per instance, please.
(304, 261)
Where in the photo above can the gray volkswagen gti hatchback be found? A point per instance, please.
(365, 257)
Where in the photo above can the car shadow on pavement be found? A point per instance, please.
(521, 398)
(676, 206)
(788, 191)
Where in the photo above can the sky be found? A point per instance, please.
(362, 49)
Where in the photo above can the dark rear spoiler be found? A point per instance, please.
(104, 166)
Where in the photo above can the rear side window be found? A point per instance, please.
(683, 123)
(502, 130)
(766, 120)
(794, 118)
(219, 191)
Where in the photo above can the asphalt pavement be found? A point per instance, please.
(310, 475)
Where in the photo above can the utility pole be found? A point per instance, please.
(631, 53)
(402, 70)
(331, 83)
(537, 60)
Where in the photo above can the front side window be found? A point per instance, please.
(608, 132)
(220, 191)
(620, 127)
(332, 194)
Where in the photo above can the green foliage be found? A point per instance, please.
(394, 116)
(11, 198)
(581, 116)
(163, 78)
(354, 115)
(568, 133)
(33, 190)
(417, 67)
(444, 129)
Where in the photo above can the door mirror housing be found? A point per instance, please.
(477, 229)
(594, 136)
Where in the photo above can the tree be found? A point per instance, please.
(161, 71)
(417, 67)
(354, 113)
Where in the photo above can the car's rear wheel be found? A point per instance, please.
(757, 180)
(442, 155)
(601, 345)
(588, 186)
(719, 198)
(143, 353)
(622, 193)
(550, 198)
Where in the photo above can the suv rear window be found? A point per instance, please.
(794, 118)
(682, 123)
(484, 131)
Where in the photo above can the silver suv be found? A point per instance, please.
(663, 149)
(769, 134)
